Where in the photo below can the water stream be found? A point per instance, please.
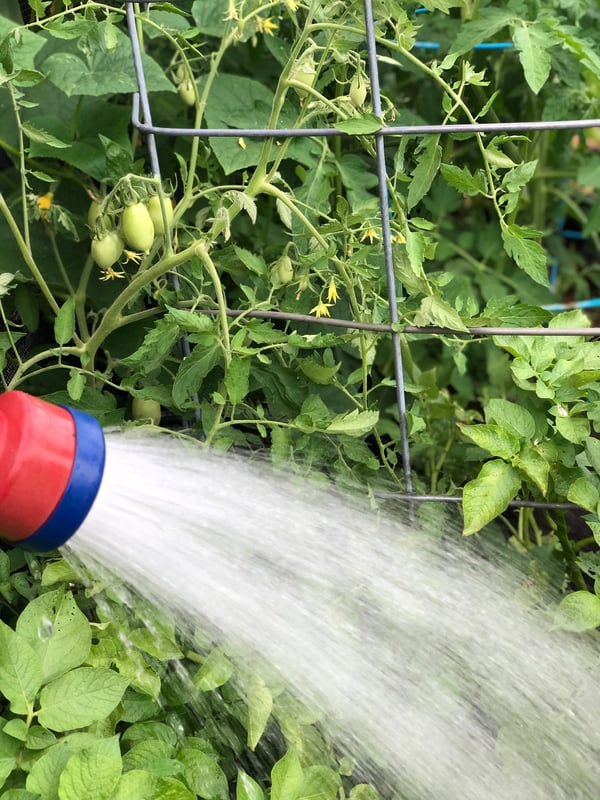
(412, 644)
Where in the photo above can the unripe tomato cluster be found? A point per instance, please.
(185, 85)
(138, 225)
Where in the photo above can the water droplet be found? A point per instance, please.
(45, 628)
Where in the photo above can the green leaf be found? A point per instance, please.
(157, 345)
(435, 311)
(463, 181)
(493, 438)
(58, 572)
(20, 670)
(194, 369)
(190, 322)
(154, 756)
(583, 493)
(529, 255)
(57, 631)
(18, 794)
(592, 450)
(320, 783)
(511, 416)
(64, 323)
(246, 788)
(578, 611)
(428, 164)
(237, 379)
(156, 643)
(518, 177)
(43, 137)
(141, 785)
(251, 261)
(287, 777)
(260, 705)
(482, 29)
(203, 774)
(574, 429)
(318, 373)
(215, 672)
(364, 124)
(532, 40)
(535, 467)
(44, 776)
(408, 263)
(82, 696)
(354, 423)
(488, 495)
(92, 773)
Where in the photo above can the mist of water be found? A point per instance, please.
(413, 646)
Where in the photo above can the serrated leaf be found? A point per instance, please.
(193, 370)
(516, 178)
(237, 379)
(188, 321)
(578, 611)
(43, 137)
(408, 263)
(436, 311)
(488, 495)
(244, 202)
(251, 261)
(284, 212)
(528, 254)
(354, 423)
(532, 41)
(318, 373)
(463, 181)
(493, 438)
(156, 346)
(82, 696)
(357, 126)
(428, 164)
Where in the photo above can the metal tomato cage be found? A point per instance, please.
(142, 121)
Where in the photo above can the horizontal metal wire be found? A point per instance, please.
(385, 130)
(382, 327)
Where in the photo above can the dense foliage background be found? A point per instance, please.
(486, 230)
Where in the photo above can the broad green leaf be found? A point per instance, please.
(511, 416)
(493, 438)
(57, 631)
(190, 322)
(20, 670)
(18, 794)
(533, 40)
(154, 756)
(583, 493)
(320, 783)
(592, 449)
(287, 777)
(7, 765)
(44, 776)
(246, 788)
(145, 731)
(528, 254)
(156, 643)
(436, 311)
(251, 261)
(574, 429)
(39, 738)
(428, 164)
(82, 696)
(193, 370)
(157, 344)
(482, 29)
(260, 705)
(354, 423)
(365, 124)
(203, 774)
(518, 177)
(92, 773)
(578, 611)
(58, 572)
(408, 263)
(488, 495)
(535, 467)
(215, 672)
(64, 323)
(318, 373)
(237, 379)
(463, 181)
(17, 728)
(141, 785)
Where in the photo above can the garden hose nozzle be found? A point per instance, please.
(51, 466)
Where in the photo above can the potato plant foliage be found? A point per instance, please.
(176, 289)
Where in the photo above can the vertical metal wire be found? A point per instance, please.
(386, 234)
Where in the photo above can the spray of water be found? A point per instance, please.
(427, 670)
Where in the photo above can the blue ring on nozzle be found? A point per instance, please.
(81, 491)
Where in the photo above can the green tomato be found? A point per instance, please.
(146, 409)
(137, 227)
(282, 271)
(93, 213)
(107, 251)
(155, 211)
(358, 90)
(187, 92)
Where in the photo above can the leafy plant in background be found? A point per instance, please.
(91, 240)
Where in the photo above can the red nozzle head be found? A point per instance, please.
(51, 464)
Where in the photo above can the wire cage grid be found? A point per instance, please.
(141, 119)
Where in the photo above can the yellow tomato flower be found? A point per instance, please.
(110, 274)
(399, 238)
(131, 255)
(370, 234)
(291, 5)
(44, 203)
(332, 294)
(266, 25)
(231, 11)
(321, 309)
